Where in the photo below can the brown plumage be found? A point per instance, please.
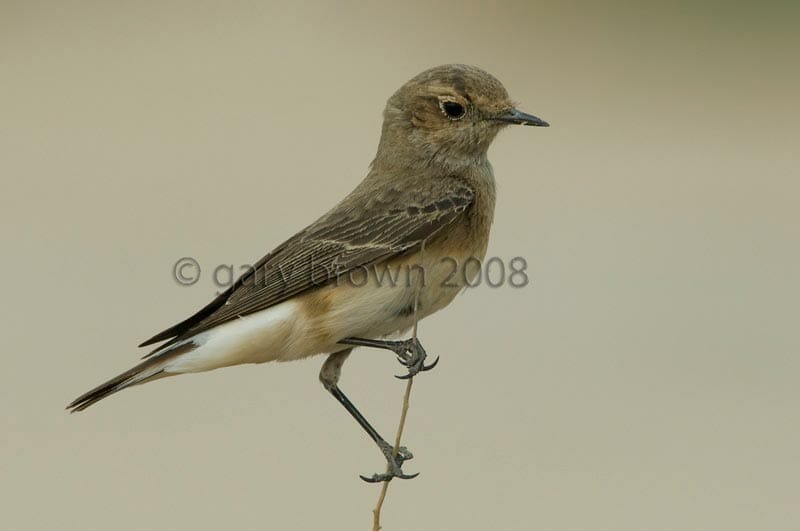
(430, 184)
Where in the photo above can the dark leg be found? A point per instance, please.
(329, 376)
(410, 353)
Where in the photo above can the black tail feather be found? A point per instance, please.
(150, 369)
(118, 383)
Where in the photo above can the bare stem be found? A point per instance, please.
(376, 512)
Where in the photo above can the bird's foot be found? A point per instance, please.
(395, 462)
(411, 354)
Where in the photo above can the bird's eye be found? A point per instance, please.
(452, 109)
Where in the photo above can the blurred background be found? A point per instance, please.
(645, 378)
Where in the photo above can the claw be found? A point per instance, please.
(395, 461)
(387, 476)
(431, 366)
(414, 369)
(411, 354)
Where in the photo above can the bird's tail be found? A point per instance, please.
(149, 369)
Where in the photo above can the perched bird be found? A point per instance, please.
(426, 205)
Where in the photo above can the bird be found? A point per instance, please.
(425, 208)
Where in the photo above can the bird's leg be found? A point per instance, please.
(410, 353)
(329, 376)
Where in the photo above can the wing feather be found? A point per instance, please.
(364, 229)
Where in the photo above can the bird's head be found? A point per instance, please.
(449, 114)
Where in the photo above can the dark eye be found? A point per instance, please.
(452, 109)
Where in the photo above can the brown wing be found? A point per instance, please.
(365, 228)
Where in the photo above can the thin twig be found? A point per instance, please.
(376, 512)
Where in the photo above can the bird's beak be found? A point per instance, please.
(513, 116)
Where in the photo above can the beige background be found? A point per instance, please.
(646, 379)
